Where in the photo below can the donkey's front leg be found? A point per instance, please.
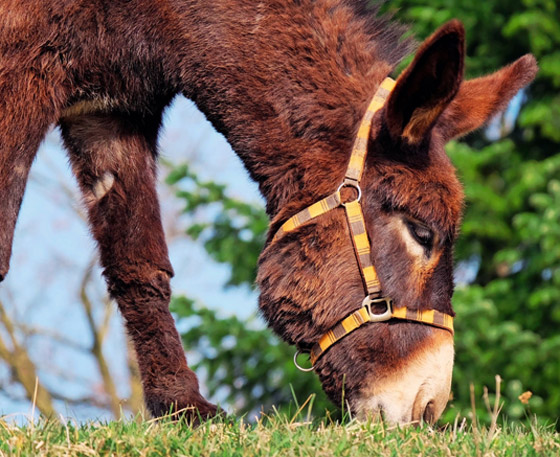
(113, 158)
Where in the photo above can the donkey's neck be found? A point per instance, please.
(286, 82)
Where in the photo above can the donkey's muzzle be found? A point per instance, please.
(417, 390)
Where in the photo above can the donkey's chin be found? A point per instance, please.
(417, 391)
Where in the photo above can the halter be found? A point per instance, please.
(361, 245)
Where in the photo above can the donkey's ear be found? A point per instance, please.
(427, 85)
(478, 100)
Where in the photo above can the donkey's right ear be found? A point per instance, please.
(428, 84)
(479, 99)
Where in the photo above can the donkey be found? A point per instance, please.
(287, 82)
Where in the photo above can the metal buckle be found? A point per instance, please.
(350, 183)
(300, 368)
(388, 314)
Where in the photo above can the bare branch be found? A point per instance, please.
(97, 347)
(29, 331)
(86, 400)
(24, 369)
(108, 314)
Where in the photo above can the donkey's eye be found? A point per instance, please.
(422, 234)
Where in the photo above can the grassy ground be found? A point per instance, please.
(272, 436)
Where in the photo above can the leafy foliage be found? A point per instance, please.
(235, 235)
(508, 256)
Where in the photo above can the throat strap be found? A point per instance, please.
(311, 212)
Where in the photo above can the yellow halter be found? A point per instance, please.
(361, 245)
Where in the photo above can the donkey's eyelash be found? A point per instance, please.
(422, 234)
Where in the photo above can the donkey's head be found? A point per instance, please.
(411, 199)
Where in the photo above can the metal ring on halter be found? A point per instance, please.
(385, 316)
(354, 185)
(300, 368)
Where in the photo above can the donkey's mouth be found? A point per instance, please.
(416, 391)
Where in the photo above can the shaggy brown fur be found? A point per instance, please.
(286, 82)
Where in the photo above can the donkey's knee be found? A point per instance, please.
(139, 291)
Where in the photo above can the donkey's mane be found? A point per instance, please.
(386, 34)
(350, 48)
(307, 89)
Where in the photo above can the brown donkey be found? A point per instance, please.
(288, 83)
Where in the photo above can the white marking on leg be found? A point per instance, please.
(83, 107)
(20, 170)
(103, 185)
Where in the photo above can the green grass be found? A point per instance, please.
(276, 435)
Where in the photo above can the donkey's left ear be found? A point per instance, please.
(428, 84)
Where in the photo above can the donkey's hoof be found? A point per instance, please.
(194, 411)
(195, 415)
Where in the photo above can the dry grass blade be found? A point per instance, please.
(492, 431)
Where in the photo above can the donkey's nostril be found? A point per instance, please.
(422, 411)
(429, 413)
